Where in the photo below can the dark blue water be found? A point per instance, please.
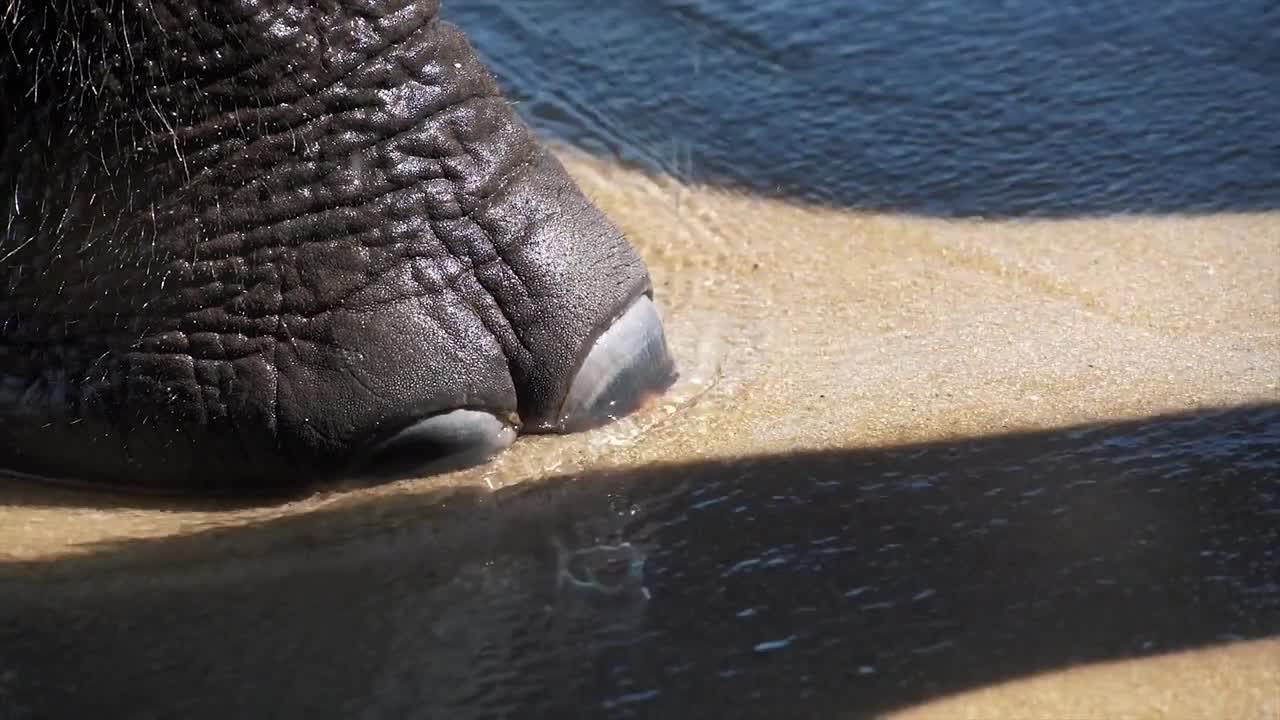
(985, 107)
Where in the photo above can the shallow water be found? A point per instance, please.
(849, 582)
(988, 108)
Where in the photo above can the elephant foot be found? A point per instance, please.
(250, 247)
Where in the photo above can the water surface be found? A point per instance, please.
(987, 108)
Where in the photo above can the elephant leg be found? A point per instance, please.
(251, 244)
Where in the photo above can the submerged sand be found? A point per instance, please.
(809, 328)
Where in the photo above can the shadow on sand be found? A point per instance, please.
(804, 585)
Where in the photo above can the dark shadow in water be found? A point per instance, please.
(801, 586)
(955, 108)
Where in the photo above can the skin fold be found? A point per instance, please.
(246, 240)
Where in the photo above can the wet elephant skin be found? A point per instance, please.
(244, 242)
(810, 585)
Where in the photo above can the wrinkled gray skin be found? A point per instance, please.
(247, 240)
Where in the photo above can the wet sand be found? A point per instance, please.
(803, 329)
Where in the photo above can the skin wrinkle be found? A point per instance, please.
(372, 200)
(470, 214)
(525, 285)
(232, 77)
(458, 276)
(280, 243)
(283, 104)
(234, 118)
(275, 223)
